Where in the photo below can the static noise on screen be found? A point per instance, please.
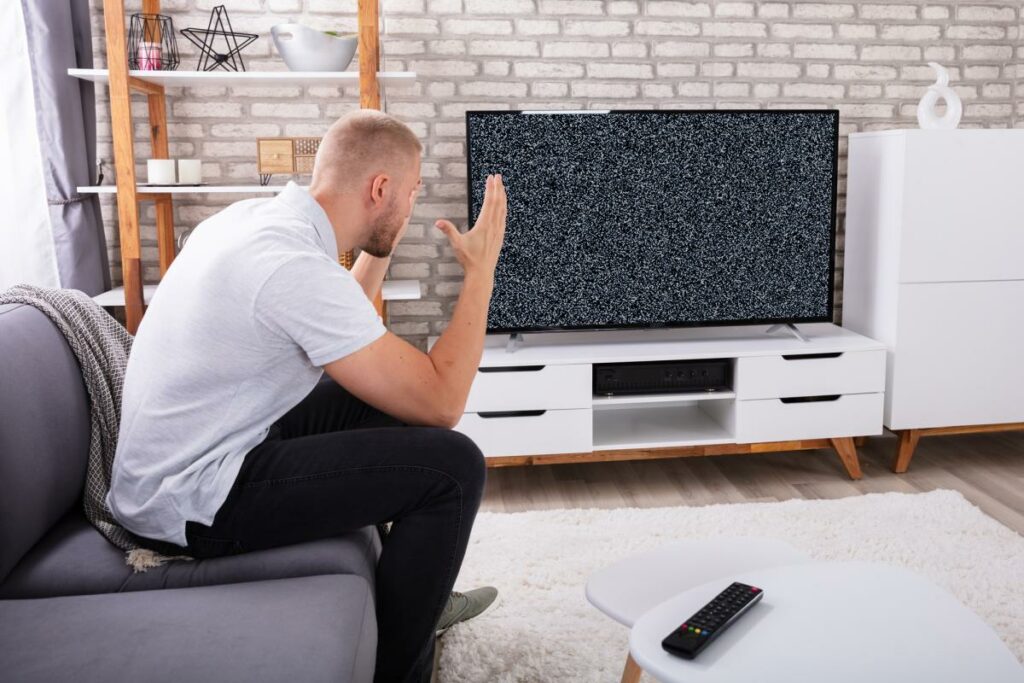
(642, 219)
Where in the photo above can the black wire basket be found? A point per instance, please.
(151, 43)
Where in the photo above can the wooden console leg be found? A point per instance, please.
(859, 441)
(631, 672)
(848, 454)
(908, 443)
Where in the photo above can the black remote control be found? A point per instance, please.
(688, 640)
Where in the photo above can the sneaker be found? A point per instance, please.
(465, 606)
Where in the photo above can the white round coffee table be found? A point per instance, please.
(842, 622)
(629, 588)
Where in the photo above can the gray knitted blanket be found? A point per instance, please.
(101, 346)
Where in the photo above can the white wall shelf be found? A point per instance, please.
(115, 297)
(180, 79)
(184, 189)
(400, 290)
(391, 290)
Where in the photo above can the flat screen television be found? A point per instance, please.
(629, 219)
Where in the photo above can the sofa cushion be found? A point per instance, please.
(44, 430)
(75, 559)
(312, 629)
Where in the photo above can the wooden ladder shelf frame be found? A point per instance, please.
(120, 87)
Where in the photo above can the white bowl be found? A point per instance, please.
(306, 49)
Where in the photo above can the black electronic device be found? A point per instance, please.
(641, 219)
(663, 377)
(698, 631)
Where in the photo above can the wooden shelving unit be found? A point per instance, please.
(122, 83)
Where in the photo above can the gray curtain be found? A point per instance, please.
(59, 38)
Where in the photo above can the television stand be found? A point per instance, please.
(536, 405)
(792, 328)
(514, 342)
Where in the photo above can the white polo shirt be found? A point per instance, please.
(236, 335)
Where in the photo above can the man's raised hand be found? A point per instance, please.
(477, 250)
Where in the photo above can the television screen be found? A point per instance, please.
(659, 218)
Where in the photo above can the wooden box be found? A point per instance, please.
(285, 155)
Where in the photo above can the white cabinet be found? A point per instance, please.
(934, 269)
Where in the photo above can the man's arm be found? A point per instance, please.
(369, 272)
(431, 388)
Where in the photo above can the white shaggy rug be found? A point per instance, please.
(543, 629)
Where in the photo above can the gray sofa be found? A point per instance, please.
(71, 609)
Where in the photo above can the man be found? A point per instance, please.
(230, 443)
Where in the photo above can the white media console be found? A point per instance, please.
(534, 403)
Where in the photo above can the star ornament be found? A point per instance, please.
(219, 30)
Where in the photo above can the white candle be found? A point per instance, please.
(160, 171)
(190, 171)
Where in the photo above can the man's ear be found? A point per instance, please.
(378, 186)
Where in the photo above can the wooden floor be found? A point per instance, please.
(988, 469)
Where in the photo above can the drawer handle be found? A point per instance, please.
(811, 399)
(512, 413)
(808, 356)
(515, 368)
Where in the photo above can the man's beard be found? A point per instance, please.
(385, 229)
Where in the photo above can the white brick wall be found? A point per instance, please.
(865, 58)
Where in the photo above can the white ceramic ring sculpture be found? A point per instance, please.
(927, 115)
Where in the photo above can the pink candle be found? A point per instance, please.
(148, 56)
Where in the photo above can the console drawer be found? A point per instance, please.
(854, 372)
(530, 432)
(536, 387)
(775, 420)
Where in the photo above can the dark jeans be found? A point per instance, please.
(333, 464)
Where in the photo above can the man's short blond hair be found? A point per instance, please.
(361, 144)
